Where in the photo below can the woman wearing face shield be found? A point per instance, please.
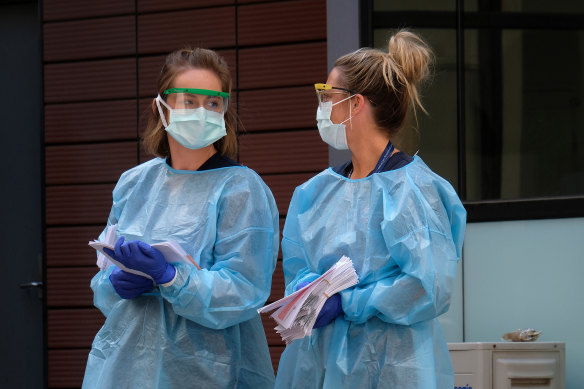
(187, 325)
(401, 224)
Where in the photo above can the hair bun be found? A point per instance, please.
(413, 56)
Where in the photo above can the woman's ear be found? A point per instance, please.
(154, 106)
(358, 102)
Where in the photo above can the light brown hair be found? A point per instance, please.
(155, 139)
(390, 81)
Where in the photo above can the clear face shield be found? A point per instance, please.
(188, 98)
(327, 93)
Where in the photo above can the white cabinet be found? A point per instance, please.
(513, 365)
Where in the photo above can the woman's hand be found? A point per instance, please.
(141, 256)
(330, 310)
(128, 285)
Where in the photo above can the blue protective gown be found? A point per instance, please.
(203, 331)
(403, 230)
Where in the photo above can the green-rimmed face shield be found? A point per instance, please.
(189, 98)
(326, 92)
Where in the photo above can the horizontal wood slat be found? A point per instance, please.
(278, 109)
(70, 287)
(281, 152)
(209, 27)
(149, 70)
(275, 354)
(78, 204)
(93, 80)
(283, 21)
(280, 66)
(157, 5)
(66, 368)
(283, 185)
(67, 246)
(278, 285)
(86, 164)
(70, 9)
(144, 109)
(73, 328)
(87, 39)
(87, 122)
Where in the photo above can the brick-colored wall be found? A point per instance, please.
(100, 62)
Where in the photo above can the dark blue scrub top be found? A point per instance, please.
(397, 160)
(215, 161)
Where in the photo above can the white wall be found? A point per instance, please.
(522, 274)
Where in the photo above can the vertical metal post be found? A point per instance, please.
(461, 126)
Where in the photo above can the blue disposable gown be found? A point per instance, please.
(403, 230)
(203, 331)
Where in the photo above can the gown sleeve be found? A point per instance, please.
(424, 239)
(245, 254)
(104, 294)
(295, 259)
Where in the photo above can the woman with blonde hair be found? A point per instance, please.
(401, 225)
(187, 325)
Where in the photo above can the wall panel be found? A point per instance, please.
(169, 5)
(78, 204)
(280, 22)
(66, 367)
(69, 9)
(69, 287)
(164, 32)
(70, 328)
(298, 151)
(295, 64)
(86, 164)
(278, 109)
(90, 122)
(104, 37)
(67, 246)
(87, 81)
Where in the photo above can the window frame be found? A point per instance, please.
(483, 210)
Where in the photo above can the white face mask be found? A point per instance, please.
(333, 134)
(193, 128)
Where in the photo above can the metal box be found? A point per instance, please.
(507, 365)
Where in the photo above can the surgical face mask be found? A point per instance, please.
(192, 128)
(333, 134)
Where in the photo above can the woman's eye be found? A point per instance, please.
(213, 104)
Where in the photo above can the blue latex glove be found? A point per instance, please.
(128, 285)
(141, 256)
(332, 308)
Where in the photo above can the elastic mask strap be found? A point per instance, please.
(158, 101)
(350, 114)
(339, 102)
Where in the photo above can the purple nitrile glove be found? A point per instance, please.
(332, 308)
(128, 285)
(141, 256)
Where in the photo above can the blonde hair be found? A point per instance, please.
(390, 81)
(155, 140)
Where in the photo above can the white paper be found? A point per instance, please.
(297, 312)
(171, 251)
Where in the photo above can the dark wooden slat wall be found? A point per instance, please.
(101, 61)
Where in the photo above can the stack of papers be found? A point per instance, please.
(171, 250)
(298, 311)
